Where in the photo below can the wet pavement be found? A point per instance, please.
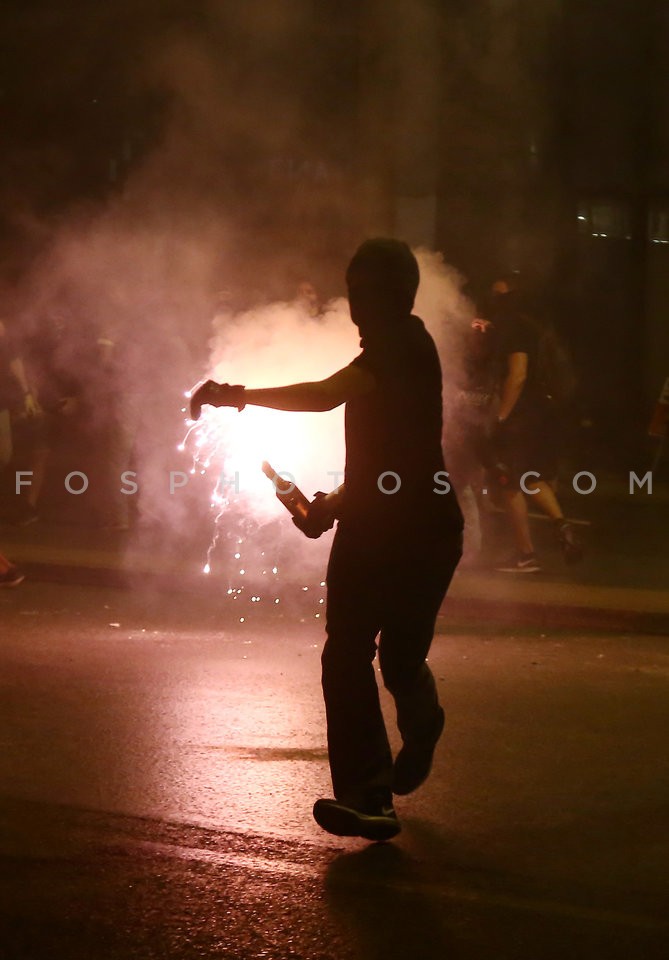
(159, 762)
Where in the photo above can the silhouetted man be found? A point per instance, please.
(396, 547)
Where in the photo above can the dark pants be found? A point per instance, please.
(393, 590)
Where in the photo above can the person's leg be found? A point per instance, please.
(567, 538)
(412, 605)
(360, 757)
(516, 508)
(515, 458)
(545, 499)
(359, 753)
(544, 453)
(542, 443)
(466, 473)
(122, 429)
(6, 448)
(470, 510)
(38, 465)
(34, 455)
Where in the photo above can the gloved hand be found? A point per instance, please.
(321, 516)
(216, 395)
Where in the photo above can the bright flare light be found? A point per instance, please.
(272, 346)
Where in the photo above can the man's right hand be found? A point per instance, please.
(321, 516)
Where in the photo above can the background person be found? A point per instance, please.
(16, 395)
(526, 432)
(58, 364)
(467, 410)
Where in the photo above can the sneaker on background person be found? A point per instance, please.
(520, 563)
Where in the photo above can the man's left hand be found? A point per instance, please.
(216, 395)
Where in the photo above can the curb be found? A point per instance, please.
(456, 610)
(544, 616)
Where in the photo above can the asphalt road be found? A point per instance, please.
(159, 760)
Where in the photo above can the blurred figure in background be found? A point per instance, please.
(59, 361)
(17, 400)
(467, 413)
(525, 436)
(120, 393)
(142, 358)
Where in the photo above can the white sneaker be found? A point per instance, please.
(521, 563)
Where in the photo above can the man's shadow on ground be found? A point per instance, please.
(381, 896)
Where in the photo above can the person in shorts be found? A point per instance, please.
(526, 433)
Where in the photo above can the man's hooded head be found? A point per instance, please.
(382, 280)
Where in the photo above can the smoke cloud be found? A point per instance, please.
(186, 269)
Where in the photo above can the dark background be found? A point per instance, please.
(509, 135)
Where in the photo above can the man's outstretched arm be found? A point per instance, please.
(316, 397)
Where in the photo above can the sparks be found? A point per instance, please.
(229, 448)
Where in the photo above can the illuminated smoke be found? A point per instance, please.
(444, 308)
(144, 268)
(272, 346)
(280, 344)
